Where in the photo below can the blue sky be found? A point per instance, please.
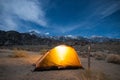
(62, 17)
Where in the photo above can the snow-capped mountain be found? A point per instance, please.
(102, 39)
(34, 33)
(39, 34)
(71, 37)
(34, 38)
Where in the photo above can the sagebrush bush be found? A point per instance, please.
(113, 58)
(100, 56)
(19, 53)
(92, 75)
(43, 51)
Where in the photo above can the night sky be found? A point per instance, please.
(62, 17)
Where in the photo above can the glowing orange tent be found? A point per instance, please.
(60, 57)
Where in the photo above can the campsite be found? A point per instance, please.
(15, 67)
(59, 39)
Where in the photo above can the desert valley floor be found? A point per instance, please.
(21, 69)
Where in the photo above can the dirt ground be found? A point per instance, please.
(21, 68)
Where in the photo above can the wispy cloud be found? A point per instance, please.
(105, 8)
(95, 12)
(27, 10)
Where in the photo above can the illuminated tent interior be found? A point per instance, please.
(60, 57)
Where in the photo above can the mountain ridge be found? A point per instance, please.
(34, 38)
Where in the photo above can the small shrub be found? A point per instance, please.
(43, 51)
(92, 75)
(84, 54)
(101, 76)
(113, 58)
(100, 56)
(19, 53)
(87, 75)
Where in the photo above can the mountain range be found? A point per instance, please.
(34, 38)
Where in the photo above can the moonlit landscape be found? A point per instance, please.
(30, 29)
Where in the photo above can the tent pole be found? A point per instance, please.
(89, 49)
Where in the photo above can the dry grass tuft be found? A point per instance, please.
(90, 75)
(87, 75)
(19, 53)
(113, 58)
(100, 56)
(43, 51)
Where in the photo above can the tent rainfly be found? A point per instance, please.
(60, 57)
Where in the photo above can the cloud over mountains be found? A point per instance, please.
(12, 11)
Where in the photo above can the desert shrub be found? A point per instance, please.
(92, 75)
(17, 53)
(99, 56)
(113, 58)
(84, 54)
(43, 51)
(86, 75)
